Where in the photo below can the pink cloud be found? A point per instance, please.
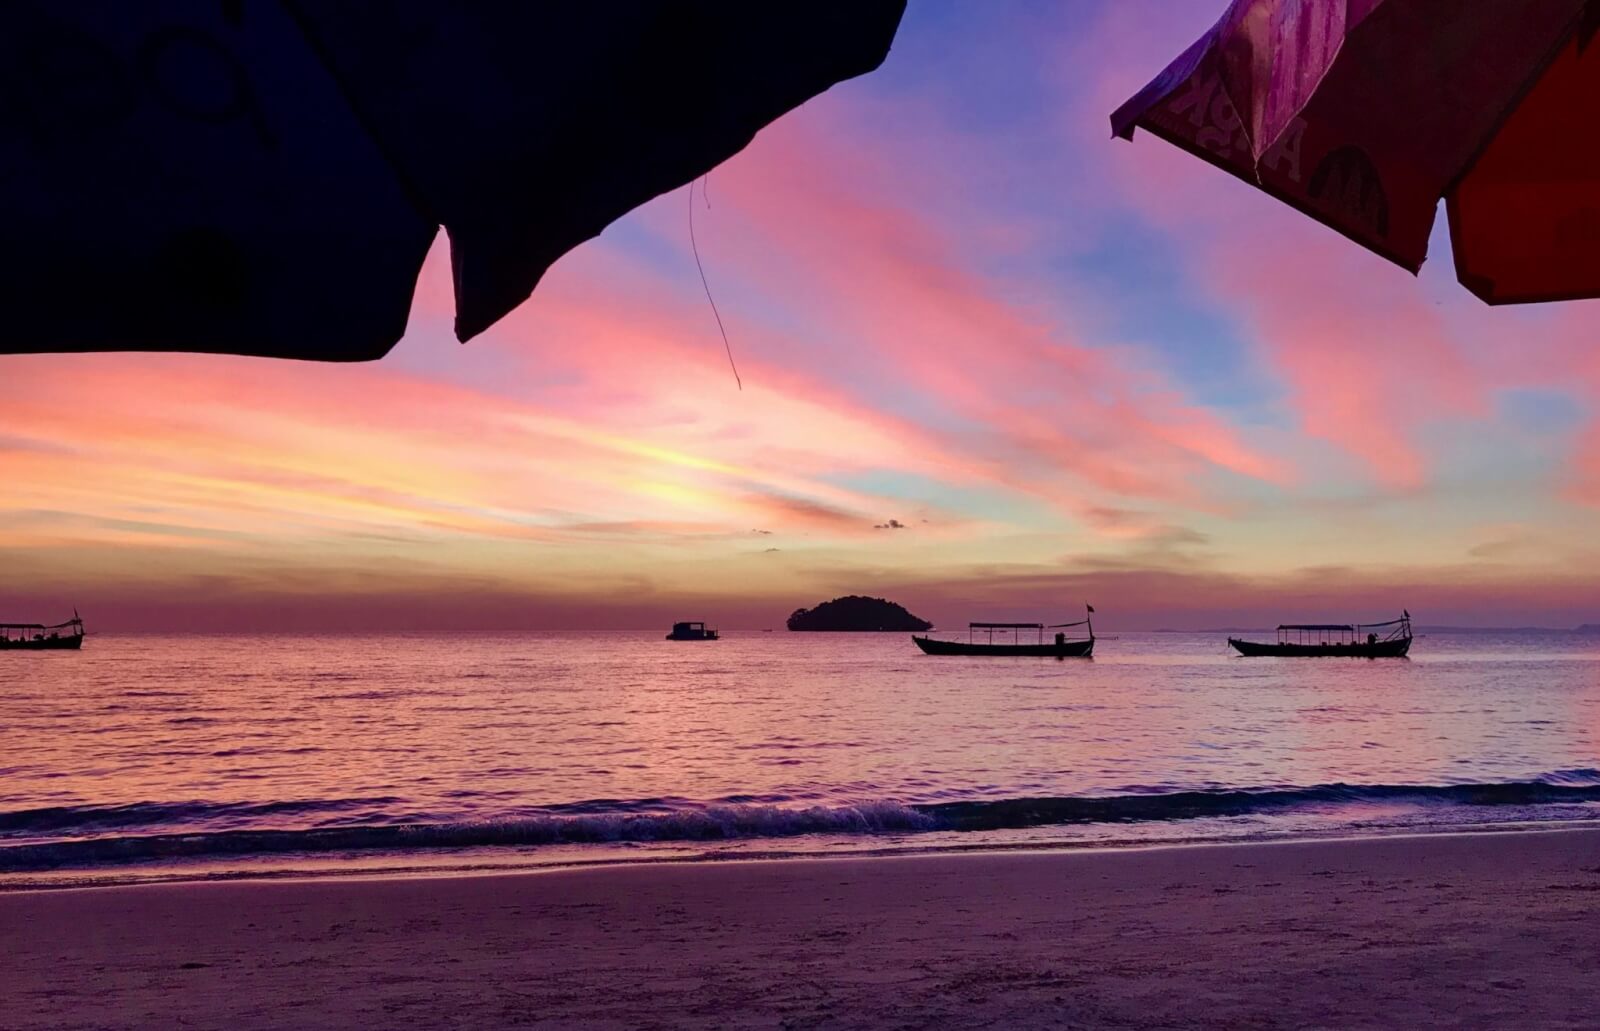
(865, 308)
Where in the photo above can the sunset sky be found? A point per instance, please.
(1066, 368)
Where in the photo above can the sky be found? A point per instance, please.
(994, 364)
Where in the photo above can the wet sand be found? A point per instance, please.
(1441, 931)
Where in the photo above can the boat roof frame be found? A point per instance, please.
(1340, 626)
(1023, 626)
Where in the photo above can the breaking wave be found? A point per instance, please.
(94, 839)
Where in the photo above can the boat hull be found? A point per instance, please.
(1395, 649)
(69, 643)
(1049, 650)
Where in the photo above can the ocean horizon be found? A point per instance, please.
(195, 756)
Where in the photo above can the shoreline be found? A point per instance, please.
(352, 867)
(1444, 930)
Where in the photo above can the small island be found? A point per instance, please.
(857, 613)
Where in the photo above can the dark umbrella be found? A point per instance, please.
(1363, 113)
(265, 176)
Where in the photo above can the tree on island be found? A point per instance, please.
(855, 612)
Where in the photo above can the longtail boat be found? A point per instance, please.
(1061, 647)
(39, 637)
(1388, 640)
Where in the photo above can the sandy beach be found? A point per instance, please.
(1439, 931)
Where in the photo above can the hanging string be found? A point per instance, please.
(696, 248)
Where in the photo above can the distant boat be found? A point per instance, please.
(691, 632)
(1059, 648)
(39, 637)
(1389, 640)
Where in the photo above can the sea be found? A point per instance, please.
(192, 757)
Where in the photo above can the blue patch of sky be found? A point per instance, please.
(1544, 412)
(974, 62)
(993, 72)
(1504, 470)
(1153, 306)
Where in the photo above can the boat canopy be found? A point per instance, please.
(25, 626)
(1349, 627)
(1006, 626)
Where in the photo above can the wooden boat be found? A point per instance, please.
(1389, 640)
(1059, 648)
(39, 637)
(691, 632)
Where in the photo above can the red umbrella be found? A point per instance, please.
(1363, 113)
